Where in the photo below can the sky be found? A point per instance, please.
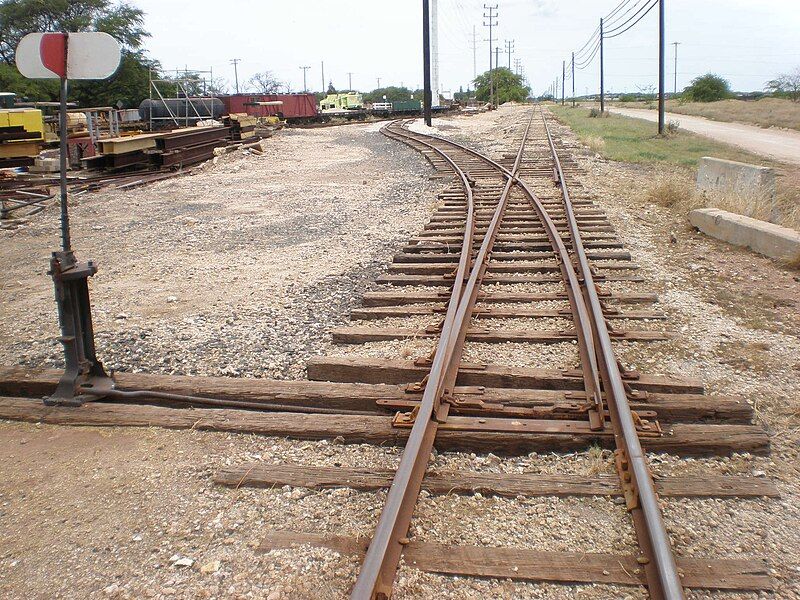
(746, 41)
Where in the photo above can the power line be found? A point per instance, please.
(612, 23)
(235, 62)
(509, 51)
(474, 53)
(616, 32)
(305, 87)
(492, 16)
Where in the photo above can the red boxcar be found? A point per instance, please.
(291, 107)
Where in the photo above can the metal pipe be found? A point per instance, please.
(66, 245)
(662, 67)
(267, 406)
(426, 62)
(602, 75)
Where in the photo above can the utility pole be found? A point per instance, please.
(350, 79)
(676, 44)
(563, 79)
(602, 81)
(434, 50)
(426, 62)
(474, 53)
(573, 80)
(662, 54)
(379, 83)
(496, 66)
(509, 51)
(516, 66)
(492, 16)
(234, 62)
(305, 87)
(324, 89)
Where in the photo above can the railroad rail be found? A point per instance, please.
(597, 361)
(519, 223)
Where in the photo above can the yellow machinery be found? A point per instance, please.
(16, 142)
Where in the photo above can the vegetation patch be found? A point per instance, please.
(635, 140)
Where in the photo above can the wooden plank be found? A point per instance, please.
(517, 266)
(360, 335)
(510, 485)
(682, 439)
(22, 149)
(383, 312)
(506, 246)
(131, 143)
(376, 370)
(391, 298)
(522, 564)
(21, 381)
(437, 280)
(453, 257)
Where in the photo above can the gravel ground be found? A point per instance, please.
(238, 270)
(137, 501)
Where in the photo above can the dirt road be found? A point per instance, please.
(779, 144)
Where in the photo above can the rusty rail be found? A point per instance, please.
(380, 564)
(378, 570)
(662, 574)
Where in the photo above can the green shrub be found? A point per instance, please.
(708, 88)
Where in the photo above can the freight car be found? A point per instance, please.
(294, 108)
(406, 106)
(346, 101)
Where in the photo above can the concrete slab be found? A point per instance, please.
(754, 182)
(765, 238)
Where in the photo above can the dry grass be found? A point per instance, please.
(595, 142)
(767, 112)
(794, 263)
(678, 191)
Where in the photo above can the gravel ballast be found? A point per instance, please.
(243, 248)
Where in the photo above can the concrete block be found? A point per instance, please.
(750, 181)
(765, 238)
(45, 165)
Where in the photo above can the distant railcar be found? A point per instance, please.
(292, 107)
(346, 101)
(406, 106)
(181, 108)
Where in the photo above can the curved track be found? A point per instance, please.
(598, 364)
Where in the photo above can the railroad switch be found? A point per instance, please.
(83, 371)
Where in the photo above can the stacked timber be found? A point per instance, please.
(190, 145)
(176, 148)
(21, 135)
(243, 126)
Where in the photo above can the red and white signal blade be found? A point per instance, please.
(89, 55)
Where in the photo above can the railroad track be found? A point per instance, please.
(516, 253)
(493, 228)
(481, 214)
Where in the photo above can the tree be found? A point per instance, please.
(391, 92)
(508, 86)
(707, 88)
(264, 83)
(120, 20)
(787, 85)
